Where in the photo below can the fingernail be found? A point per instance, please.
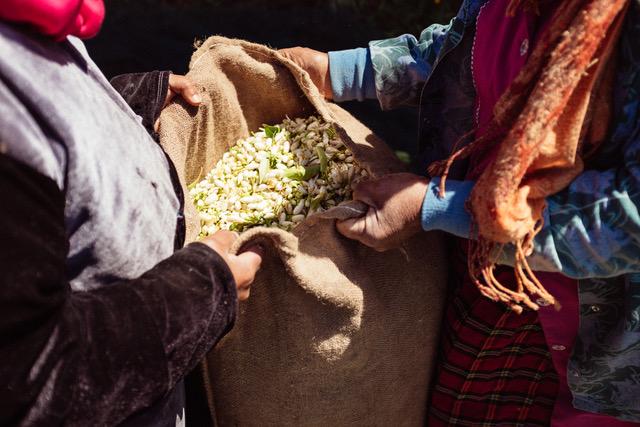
(196, 98)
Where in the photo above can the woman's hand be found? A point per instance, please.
(243, 266)
(315, 63)
(180, 85)
(395, 203)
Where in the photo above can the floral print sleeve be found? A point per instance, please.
(403, 64)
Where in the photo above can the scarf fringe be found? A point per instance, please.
(482, 263)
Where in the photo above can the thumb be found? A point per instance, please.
(366, 192)
(187, 90)
(353, 228)
(247, 264)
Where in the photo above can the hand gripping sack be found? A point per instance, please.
(334, 333)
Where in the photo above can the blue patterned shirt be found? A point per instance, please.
(592, 228)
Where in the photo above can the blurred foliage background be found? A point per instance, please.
(144, 35)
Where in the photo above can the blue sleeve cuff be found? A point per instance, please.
(448, 213)
(352, 75)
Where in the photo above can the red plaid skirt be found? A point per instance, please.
(495, 367)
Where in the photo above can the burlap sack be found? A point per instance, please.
(334, 334)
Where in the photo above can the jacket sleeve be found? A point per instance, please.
(391, 70)
(396, 69)
(403, 64)
(591, 229)
(94, 357)
(145, 93)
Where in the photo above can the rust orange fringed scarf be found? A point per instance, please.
(536, 142)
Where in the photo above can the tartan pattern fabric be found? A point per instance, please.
(495, 368)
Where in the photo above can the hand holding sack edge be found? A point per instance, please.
(243, 265)
(393, 217)
(315, 63)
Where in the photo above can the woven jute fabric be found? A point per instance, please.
(334, 333)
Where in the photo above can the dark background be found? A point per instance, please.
(145, 35)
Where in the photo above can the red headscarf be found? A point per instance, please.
(56, 18)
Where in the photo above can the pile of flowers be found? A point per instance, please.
(277, 177)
